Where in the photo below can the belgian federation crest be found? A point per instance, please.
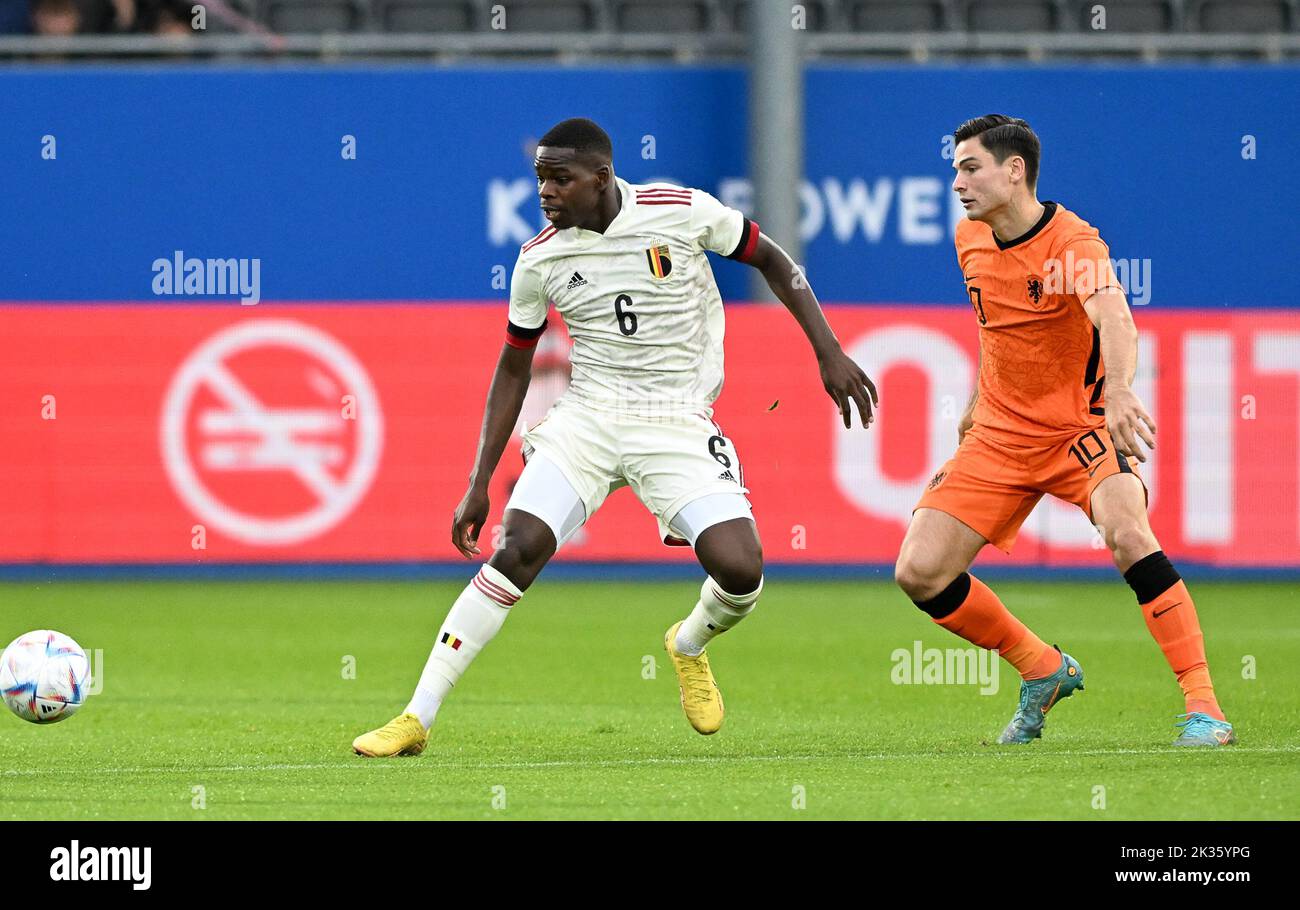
(660, 263)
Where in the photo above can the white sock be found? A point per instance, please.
(475, 617)
(716, 612)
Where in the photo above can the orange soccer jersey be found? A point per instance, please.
(1039, 425)
(1041, 374)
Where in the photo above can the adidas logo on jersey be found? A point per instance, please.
(727, 475)
(576, 281)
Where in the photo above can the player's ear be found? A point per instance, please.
(1017, 169)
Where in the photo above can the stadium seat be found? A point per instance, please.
(424, 15)
(1127, 15)
(1241, 16)
(252, 9)
(663, 16)
(551, 15)
(1011, 16)
(818, 14)
(886, 16)
(313, 16)
(215, 24)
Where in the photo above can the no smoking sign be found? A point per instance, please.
(271, 432)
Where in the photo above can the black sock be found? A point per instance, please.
(947, 600)
(1151, 576)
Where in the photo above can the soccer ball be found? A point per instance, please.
(44, 676)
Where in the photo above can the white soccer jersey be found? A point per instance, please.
(639, 300)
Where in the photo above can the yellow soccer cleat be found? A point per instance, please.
(701, 699)
(403, 735)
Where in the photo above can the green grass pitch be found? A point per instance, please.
(228, 700)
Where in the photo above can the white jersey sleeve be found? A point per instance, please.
(527, 297)
(718, 228)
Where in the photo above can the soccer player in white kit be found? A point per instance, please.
(625, 266)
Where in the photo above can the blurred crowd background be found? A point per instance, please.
(173, 17)
(58, 18)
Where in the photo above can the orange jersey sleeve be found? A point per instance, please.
(1041, 375)
(1081, 266)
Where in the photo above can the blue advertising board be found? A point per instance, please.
(107, 170)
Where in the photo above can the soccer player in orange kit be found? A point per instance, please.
(1053, 412)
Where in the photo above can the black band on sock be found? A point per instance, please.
(947, 600)
(1151, 576)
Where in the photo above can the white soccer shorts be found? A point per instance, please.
(682, 468)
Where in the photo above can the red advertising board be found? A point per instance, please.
(346, 432)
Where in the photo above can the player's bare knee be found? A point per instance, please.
(1129, 542)
(509, 564)
(741, 578)
(523, 554)
(919, 579)
(903, 576)
(740, 572)
(732, 554)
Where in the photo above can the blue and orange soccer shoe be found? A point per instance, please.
(1203, 730)
(1037, 697)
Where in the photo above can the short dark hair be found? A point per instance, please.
(1003, 136)
(583, 136)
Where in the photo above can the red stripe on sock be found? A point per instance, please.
(504, 592)
(495, 591)
(491, 595)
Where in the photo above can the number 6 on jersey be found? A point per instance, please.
(626, 318)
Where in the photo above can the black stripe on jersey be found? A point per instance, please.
(1123, 463)
(1096, 396)
(1094, 359)
(1090, 377)
(523, 334)
(746, 230)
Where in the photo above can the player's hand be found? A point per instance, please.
(846, 383)
(1128, 422)
(468, 521)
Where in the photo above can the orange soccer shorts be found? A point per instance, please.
(992, 487)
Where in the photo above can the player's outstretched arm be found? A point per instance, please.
(1126, 419)
(844, 380)
(505, 399)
